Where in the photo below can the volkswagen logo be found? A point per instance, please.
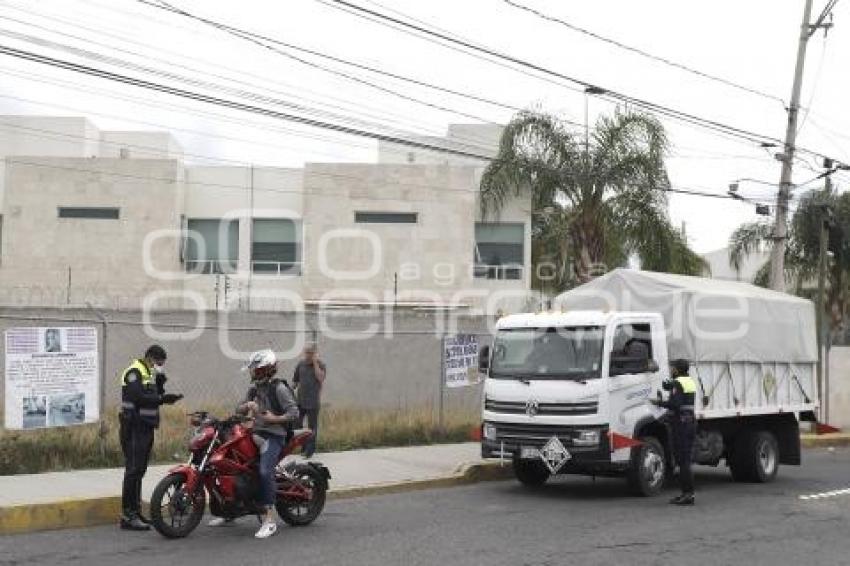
(532, 407)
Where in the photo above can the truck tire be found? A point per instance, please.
(648, 467)
(530, 473)
(755, 457)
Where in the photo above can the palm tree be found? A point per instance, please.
(803, 250)
(595, 201)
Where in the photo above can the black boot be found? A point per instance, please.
(677, 499)
(133, 523)
(144, 519)
(685, 499)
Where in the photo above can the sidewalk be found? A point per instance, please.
(90, 497)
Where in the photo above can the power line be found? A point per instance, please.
(754, 137)
(249, 37)
(643, 53)
(195, 82)
(358, 109)
(348, 62)
(83, 69)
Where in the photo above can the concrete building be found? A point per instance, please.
(718, 263)
(120, 220)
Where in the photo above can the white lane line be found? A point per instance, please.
(826, 494)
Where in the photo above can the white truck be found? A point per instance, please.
(568, 391)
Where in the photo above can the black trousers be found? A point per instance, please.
(684, 431)
(312, 418)
(136, 444)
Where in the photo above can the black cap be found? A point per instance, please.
(156, 352)
(681, 365)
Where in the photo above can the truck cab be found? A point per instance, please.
(566, 393)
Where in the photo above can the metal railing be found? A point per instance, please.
(211, 266)
(276, 267)
(510, 272)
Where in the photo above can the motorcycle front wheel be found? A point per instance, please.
(174, 513)
(301, 497)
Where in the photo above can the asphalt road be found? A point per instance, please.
(572, 521)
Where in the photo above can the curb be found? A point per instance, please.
(825, 440)
(65, 514)
(465, 474)
(76, 513)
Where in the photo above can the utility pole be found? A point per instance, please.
(780, 230)
(820, 314)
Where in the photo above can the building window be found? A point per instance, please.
(212, 246)
(276, 249)
(93, 212)
(385, 217)
(499, 250)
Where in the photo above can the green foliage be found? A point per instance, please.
(803, 249)
(596, 202)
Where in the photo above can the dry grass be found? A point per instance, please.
(80, 447)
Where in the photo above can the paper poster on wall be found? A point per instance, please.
(460, 360)
(51, 377)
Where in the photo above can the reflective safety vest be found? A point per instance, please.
(688, 384)
(689, 388)
(149, 415)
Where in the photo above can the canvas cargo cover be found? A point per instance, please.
(708, 319)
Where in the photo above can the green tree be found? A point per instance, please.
(803, 249)
(596, 201)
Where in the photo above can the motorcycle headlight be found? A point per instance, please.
(586, 438)
(489, 432)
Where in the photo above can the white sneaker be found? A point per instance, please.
(268, 529)
(220, 522)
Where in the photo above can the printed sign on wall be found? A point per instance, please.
(51, 377)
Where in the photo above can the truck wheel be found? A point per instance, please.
(648, 467)
(530, 473)
(755, 457)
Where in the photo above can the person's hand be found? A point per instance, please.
(252, 407)
(171, 398)
(656, 402)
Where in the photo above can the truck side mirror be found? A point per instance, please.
(484, 360)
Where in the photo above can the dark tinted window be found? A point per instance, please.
(100, 213)
(386, 217)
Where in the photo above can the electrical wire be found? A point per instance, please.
(641, 52)
(158, 87)
(359, 109)
(640, 103)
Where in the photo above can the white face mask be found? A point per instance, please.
(159, 369)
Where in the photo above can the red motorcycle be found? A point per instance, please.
(223, 464)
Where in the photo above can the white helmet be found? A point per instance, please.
(261, 364)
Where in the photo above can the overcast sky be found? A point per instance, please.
(752, 43)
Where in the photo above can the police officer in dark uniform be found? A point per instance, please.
(680, 403)
(142, 392)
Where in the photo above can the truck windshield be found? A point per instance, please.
(548, 353)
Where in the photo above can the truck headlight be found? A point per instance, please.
(586, 438)
(489, 432)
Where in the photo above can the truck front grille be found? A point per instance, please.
(543, 409)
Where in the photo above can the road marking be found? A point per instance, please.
(826, 494)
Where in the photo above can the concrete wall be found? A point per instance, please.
(400, 371)
(51, 260)
(140, 145)
(432, 258)
(46, 136)
(839, 387)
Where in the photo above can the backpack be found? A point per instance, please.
(275, 403)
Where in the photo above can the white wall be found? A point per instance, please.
(140, 145)
(50, 136)
(100, 260)
(839, 387)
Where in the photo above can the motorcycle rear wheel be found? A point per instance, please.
(301, 513)
(174, 513)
